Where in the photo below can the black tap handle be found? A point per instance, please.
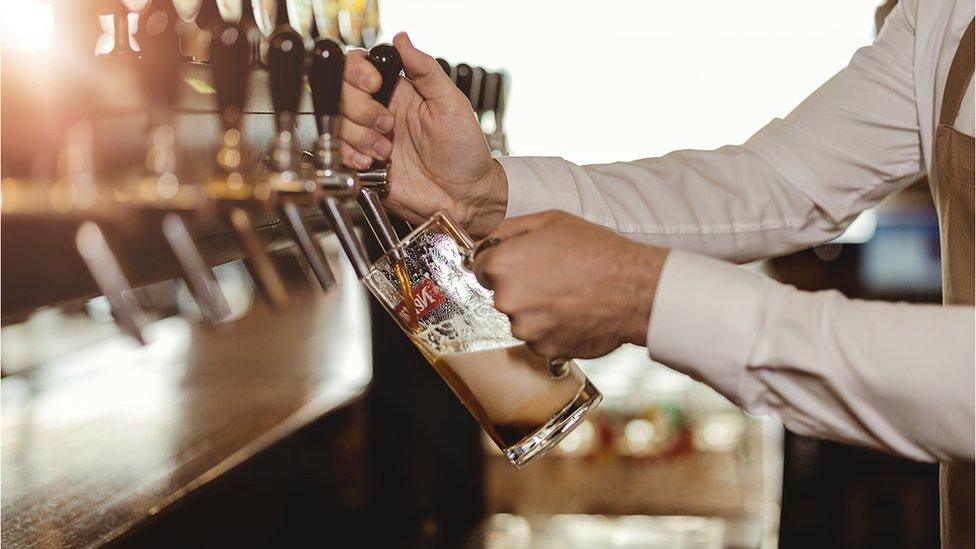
(160, 47)
(488, 92)
(230, 55)
(445, 66)
(325, 77)
(386, 60)
(286, 63)
(464, 78)
(477, 95)
(208, 16)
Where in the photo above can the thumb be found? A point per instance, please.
(427, 77)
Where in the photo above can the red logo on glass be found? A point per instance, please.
(426, 297)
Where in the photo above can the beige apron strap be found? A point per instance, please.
(960, 74)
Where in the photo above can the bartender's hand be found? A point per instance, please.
(439, 159)
(572, 289)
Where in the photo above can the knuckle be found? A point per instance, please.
(526, 330)
(503, 301)
(544, 348)
(521, 330)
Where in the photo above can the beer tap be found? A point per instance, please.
(338, 186)
(178, 12)
(90, 240)
(161, 192)
(286, 62)
(251, 30)
(374, 181)
(76, 192)
(446, 67)
(232, 192)
(464, 78)
(208, 16)
(494, 102)
(478, 77)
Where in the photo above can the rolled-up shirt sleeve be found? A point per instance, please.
(797, 182)
(864, 372)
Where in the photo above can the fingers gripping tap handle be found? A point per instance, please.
(387, 61)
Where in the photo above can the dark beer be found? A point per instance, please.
(508, 390)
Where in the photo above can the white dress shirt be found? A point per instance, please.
(891, 376)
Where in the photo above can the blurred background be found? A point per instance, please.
(318, 423)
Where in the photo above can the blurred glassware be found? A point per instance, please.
(187, 9)
(327, 18)
(506, 531)
(265, 13)
(231, 10)
(301, 19)
(352, 17)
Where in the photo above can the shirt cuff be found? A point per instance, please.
(537, 184)
(706, 318)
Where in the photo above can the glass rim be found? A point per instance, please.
(464, 241)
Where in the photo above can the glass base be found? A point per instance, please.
(539, 442)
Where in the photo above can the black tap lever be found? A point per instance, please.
(495, 103)
(464, 78)
(374, 181)
(476, 96)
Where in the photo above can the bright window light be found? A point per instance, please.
(26, 24)
(637, 78)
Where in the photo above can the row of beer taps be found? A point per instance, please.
(287, 181)
(486, 91)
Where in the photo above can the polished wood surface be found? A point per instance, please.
(98, 441)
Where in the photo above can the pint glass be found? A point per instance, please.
(522, 403)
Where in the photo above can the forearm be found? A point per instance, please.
(868, 373)
(726, 203)
(797, 182)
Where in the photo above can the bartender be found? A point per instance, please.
(586, 258)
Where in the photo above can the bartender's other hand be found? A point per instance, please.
(572, 289)
(439, 159)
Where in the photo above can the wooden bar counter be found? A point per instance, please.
(100, 441)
